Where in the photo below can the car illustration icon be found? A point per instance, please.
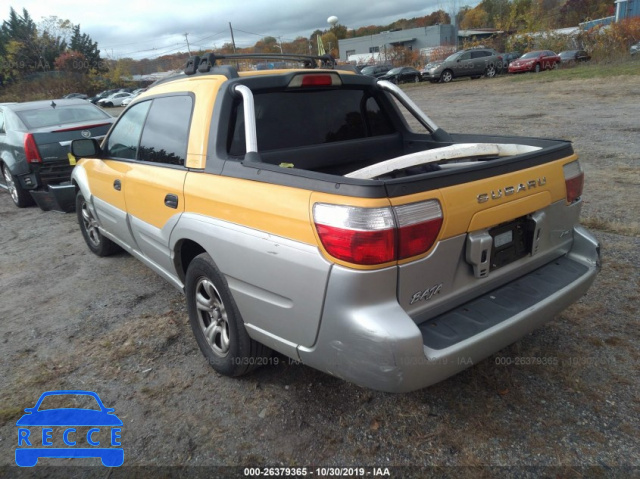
(89, 431)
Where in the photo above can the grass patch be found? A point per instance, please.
(584, 72)
(10, 415)
(609, 226)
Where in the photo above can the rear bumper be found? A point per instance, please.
(56, 197)
(367, 338)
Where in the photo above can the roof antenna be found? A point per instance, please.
(53, 104)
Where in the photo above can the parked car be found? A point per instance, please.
(82, 96)
(571, 57)
(375, 70)
(472, 63)
(507, 59)
(535, 61)
(402, 256)
(402, 75)
(134, 94)
(114, 100)
(34, 143)
(634, 49)
(103, 94)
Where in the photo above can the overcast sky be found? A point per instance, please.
(147, 29)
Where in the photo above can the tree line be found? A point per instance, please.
(54, 44)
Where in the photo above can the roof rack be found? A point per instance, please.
(204, 63)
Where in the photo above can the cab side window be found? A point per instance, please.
(2, 130)
(166, 131)
(124, 139)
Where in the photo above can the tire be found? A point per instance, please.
(21, 197)
(537, 68)
(97, 243)
(446, 76)
(490, 72)
(216, 321)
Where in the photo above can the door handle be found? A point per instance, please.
(117, 185)
(171, 201)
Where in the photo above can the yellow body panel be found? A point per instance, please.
(460, 202)
(146, 187)
(103, 174)
(509, 211)
(287, 211)
(274, 209)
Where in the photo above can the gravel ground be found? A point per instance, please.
(71, 320)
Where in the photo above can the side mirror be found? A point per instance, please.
(85, 148)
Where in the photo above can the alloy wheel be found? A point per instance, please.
(212, 317)
(11, 186)
(90, 225)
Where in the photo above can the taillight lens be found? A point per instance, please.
(363, 236)
(418, 227)
(31, 149)
(574, 180)
(371, 236)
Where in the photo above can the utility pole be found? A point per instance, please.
(186, 37)
(233, 42)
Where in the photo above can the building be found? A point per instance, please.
(413, 39)
(627, 9)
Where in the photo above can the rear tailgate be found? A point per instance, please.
(494, 231)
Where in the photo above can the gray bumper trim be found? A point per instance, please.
(499, 305)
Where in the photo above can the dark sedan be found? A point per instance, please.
(34, 143)
(402, 75)
(571, 57)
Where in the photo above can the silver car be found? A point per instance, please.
(472, 63)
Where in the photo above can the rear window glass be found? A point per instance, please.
(295, 119)
(61, 115)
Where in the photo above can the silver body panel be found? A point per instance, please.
(278, 284)
(368, 339)
(447, 266)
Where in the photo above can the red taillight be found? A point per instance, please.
(359, 247)
(315, 80)
(371, 236)
(31, 149)
(574, 180)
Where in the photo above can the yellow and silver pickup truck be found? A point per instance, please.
(321, 214)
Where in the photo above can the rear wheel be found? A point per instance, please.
(446, 76)
(96, 242)
(19, 195)
(491, 71)
(216, 321)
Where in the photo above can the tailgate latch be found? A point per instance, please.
(479, 246)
